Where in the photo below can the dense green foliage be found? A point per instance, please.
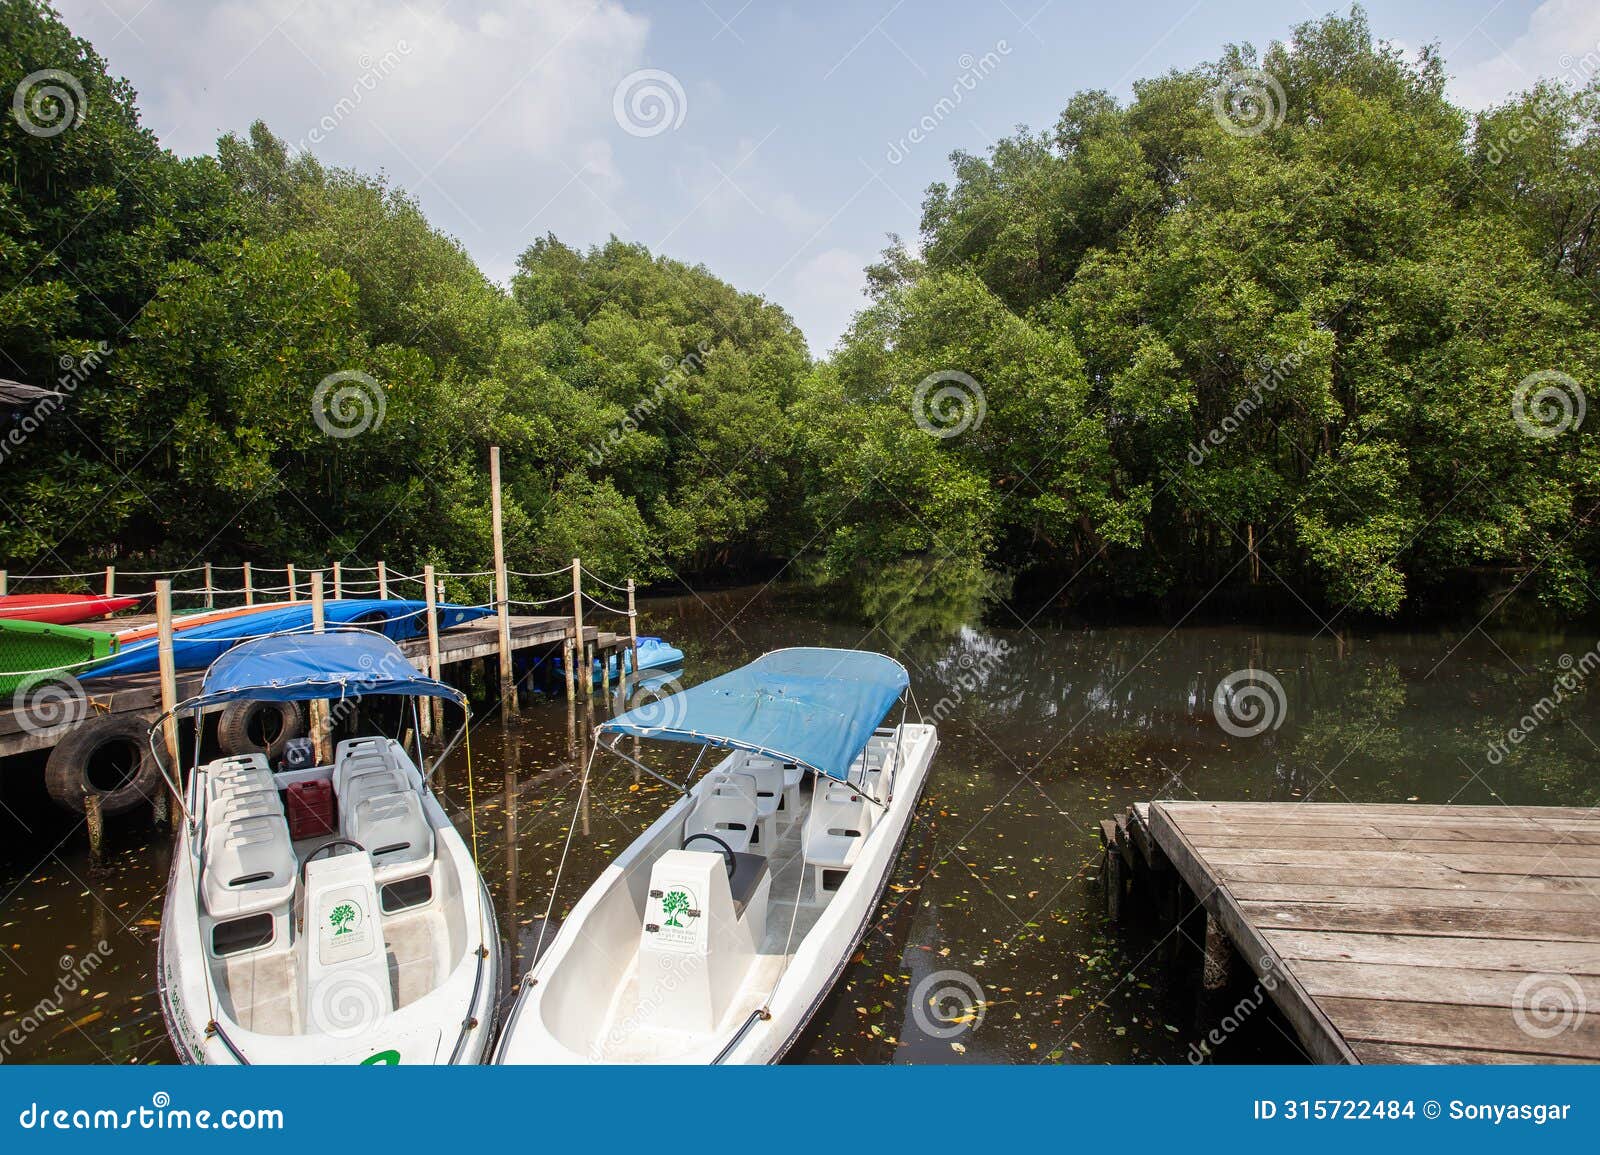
(1189, 339)
(1161, 349)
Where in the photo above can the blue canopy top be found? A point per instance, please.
(809, 705)
(295, 667)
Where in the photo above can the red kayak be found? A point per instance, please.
(60, 609)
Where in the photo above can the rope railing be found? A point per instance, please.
(621, 589)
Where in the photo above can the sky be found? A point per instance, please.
(776, 143)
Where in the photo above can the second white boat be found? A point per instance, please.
(716, 934)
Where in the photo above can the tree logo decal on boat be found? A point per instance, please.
(344, 918)
(676, 903)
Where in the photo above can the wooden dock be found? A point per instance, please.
(141, 693)
(1389, 933)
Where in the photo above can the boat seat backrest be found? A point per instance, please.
(356, 756)
(837, 826)
(724, 809)
(361, 788)
(249, 864)
(395, 833)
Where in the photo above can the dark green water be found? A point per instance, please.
(1045, 729)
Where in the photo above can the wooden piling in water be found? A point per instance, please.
(633, 632)
(168, 671)
(319, 706)
(582, 671)
(97, 830)
(568, 659)
(502, 595)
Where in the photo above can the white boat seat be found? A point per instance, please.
(725, 809)
(395, 833)
(835, 831)
(249, 866)
(361, 787)
(772, 787)
(356, 756)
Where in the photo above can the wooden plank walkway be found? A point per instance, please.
(1404, 933)
(142, 692)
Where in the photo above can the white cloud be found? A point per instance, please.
(1562, 41)
(825, 293)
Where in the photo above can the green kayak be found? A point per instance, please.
(34, 651)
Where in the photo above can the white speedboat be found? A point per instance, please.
(713, 938)
(325, 914)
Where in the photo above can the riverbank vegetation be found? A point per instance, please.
(1286, 321)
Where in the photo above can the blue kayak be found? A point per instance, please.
(196, 647)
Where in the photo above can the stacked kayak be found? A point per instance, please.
(62, 609)
(196, 644)
(34, 651)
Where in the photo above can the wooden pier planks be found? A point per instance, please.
(1406, 933)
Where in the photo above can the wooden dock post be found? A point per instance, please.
(111, 581)
(168, 668)
(433, 716)
(249, 587)
(5, 583)
(502, 595)
(383, 580)
(1218, 962)
(581, 665)
(294, 594)
(568, 661)
(633, 634)
(319, 706)
(97, 831)
(338, 581)
(211, 590)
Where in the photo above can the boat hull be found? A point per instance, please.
(764, 1034)
(453, 1024)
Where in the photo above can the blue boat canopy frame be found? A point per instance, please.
(298, 667)
(811, 705)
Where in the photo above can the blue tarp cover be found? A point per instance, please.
(298, 667)
(810, 705)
